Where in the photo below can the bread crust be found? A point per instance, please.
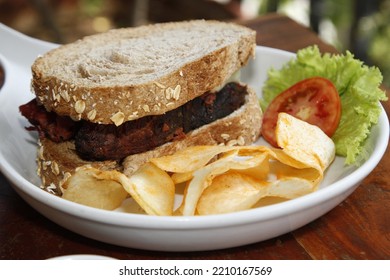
(56, 86)
(58, 161)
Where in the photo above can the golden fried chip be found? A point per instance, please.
(95, 188)
(152, 188)
(260, 169)
(281, 171)
(203, 177)
(231, 192)
(195, 187)
(304, 142)
(290, 188)
(181, 177)
(189, 159)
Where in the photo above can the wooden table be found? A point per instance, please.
(358, 228)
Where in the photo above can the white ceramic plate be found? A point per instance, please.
(17, 162)
(82, 258)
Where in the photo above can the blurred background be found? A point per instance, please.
(361, 26)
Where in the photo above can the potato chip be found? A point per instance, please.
(304, 142)
(95, 188)
(231, 192)
(179, 178)
(280, 171)
(201, 180)
(260, 170)
(203, 177)
(184, 172)
(189, 159)
(290, 188)
(152, 188)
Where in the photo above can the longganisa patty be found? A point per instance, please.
(109, 142)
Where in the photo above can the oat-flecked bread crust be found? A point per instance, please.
(77, 79)
(58, 161)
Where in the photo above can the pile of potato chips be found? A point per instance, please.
(216, 179)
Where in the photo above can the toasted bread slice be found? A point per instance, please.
(129, 73)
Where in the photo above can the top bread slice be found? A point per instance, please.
(128, 73)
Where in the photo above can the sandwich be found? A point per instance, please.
(115, 100)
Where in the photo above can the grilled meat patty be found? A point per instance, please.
(109, 142)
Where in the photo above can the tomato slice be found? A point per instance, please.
(314, 100)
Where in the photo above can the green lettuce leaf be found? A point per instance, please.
(357, 84)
